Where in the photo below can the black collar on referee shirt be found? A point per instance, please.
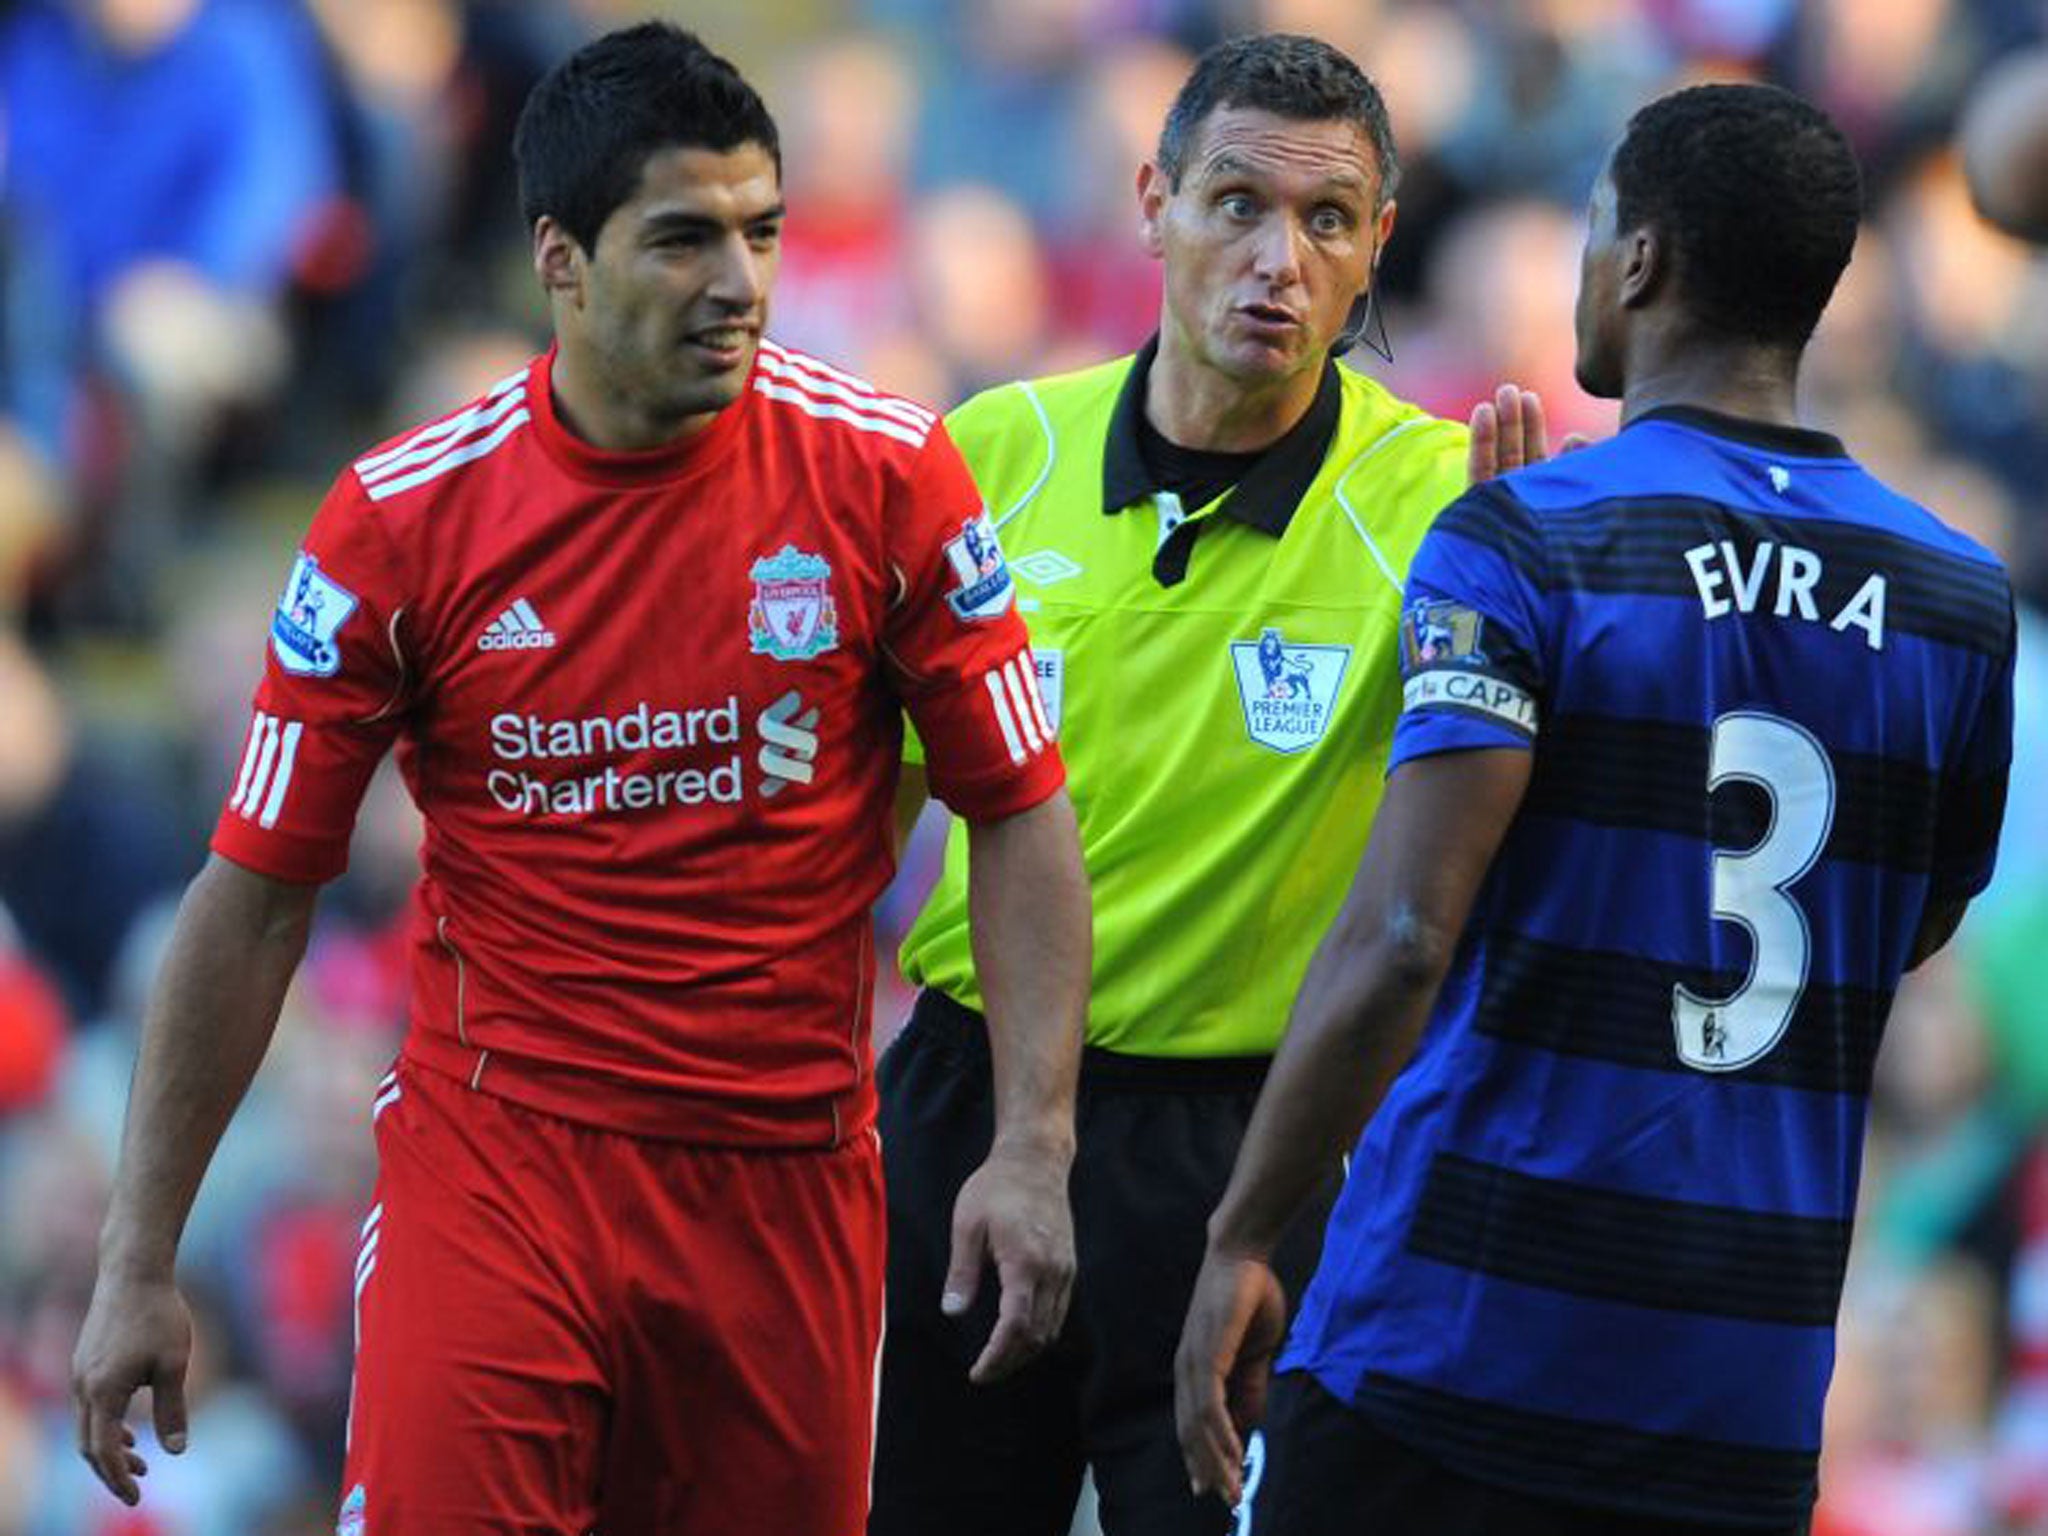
(1264, 499)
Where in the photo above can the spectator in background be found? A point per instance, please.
(167, 160)
(984, 302)
(1493, 288)
(2004, 137)
(1105, 288)
(850, 105)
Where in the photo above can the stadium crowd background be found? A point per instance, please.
(242, 239)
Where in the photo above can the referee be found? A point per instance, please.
(1210, 540)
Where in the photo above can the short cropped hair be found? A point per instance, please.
(1758, 194)
(589, 126)
(1293, 77)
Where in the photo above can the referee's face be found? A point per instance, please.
(1267, 241)
(668, 310)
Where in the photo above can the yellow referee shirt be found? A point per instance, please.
(1223, 681)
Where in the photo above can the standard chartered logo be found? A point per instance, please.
(789, 747)
(668, 757)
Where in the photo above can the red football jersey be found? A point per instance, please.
(650, 707)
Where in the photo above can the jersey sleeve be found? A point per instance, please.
(958, 650)
(1973, 788)
(327, 708)
(1472, 626)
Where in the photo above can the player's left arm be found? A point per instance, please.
(1474, 638)
(963, 669)
(1361, 1009)
(1027, 898)
(1972, 809)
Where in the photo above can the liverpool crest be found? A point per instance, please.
(792, 616)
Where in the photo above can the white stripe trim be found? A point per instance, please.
(902, 410)
(822, 370)
(437, 431)
(811, 406)
(1024, 711)
(370, 1221)
(1051, 454)
(1037, 696)
(995, 693)
(875, 1387)
(1372, 548)
(451, 459)
(362, 1280)
(367, 1259)
(248, 759)
(287, 753)
(260, 780)
(384, 1101)
(477, 420)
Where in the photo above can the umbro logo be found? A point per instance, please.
(518, 628)
(1043, 567)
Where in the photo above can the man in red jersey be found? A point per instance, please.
(641, 623)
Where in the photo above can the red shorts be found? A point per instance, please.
(563, 1329)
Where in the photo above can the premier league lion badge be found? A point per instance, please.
(982, 585)
(309, 611)
(1289, 690)
(792, 616)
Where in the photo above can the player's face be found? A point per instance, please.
(1268, 240)
(1597, 319)
(676, 292)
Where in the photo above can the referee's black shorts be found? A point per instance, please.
(1156, 1142)
(1319, 1468)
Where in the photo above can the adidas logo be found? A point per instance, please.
(518, 628)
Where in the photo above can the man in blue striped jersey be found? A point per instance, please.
(1704, 742)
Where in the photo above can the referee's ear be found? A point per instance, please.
(557, 261)
(1153, 187)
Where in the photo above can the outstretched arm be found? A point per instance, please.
(1362, 1006)
(238, 938)
(1027, 896)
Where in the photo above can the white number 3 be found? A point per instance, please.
(1725, 1034)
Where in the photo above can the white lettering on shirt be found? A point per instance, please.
(1719, 565)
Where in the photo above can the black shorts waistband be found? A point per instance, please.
(1119, 1071)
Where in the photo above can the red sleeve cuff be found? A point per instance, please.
(992, 799)
(298, 860)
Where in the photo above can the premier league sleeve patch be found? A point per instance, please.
(981, 581)
(1446, 666)
(310, 612)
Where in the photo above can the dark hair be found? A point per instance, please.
(588, 127)
(1289, 76)
(1759, 196)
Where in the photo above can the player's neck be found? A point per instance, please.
(1193, 406)
(1753, 382)
(608, 421)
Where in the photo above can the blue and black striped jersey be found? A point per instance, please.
(1592, 1244)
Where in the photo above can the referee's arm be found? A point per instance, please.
(1362, 1006)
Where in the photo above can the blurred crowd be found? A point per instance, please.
(242, 239)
